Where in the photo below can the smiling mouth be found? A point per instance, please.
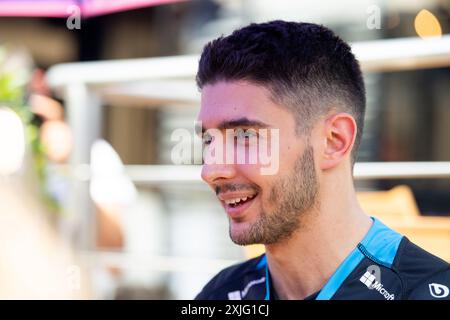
(237, 202)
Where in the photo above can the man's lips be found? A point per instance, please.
(236, 197)
(235, 203)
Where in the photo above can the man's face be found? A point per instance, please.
(261, 208)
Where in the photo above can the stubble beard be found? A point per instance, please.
(292, 195)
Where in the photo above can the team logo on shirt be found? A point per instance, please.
(239, 295)
(368, 279)
(371, 281)
(438, 290)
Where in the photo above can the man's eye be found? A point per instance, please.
(242, 135)
(207, 139)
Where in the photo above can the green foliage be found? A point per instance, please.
(13, 96)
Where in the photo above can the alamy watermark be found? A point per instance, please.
(74, 19)
(73, 278)
(374, 17)
(229, 146)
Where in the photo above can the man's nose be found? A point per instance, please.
(212, 173)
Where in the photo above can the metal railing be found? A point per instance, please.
(169, 174)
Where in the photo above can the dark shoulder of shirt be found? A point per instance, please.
(415, 274)
(231, 279)
(422, 274)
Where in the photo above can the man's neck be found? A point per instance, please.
(301, 265)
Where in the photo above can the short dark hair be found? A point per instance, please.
(306, 67)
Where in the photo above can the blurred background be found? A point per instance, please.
(91, 205)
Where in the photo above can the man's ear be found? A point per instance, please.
(339, 133)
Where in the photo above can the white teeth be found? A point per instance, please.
(238, 200)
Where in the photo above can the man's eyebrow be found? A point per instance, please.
(241, 122)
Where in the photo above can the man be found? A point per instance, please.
(303, 80)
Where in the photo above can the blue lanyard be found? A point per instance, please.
(267, 297)
(380, 239)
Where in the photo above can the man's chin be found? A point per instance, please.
(241, 234)
(240, 241)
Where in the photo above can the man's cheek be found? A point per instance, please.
(251, 172)
(269, 152)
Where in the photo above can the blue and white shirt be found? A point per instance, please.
(384, 265)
